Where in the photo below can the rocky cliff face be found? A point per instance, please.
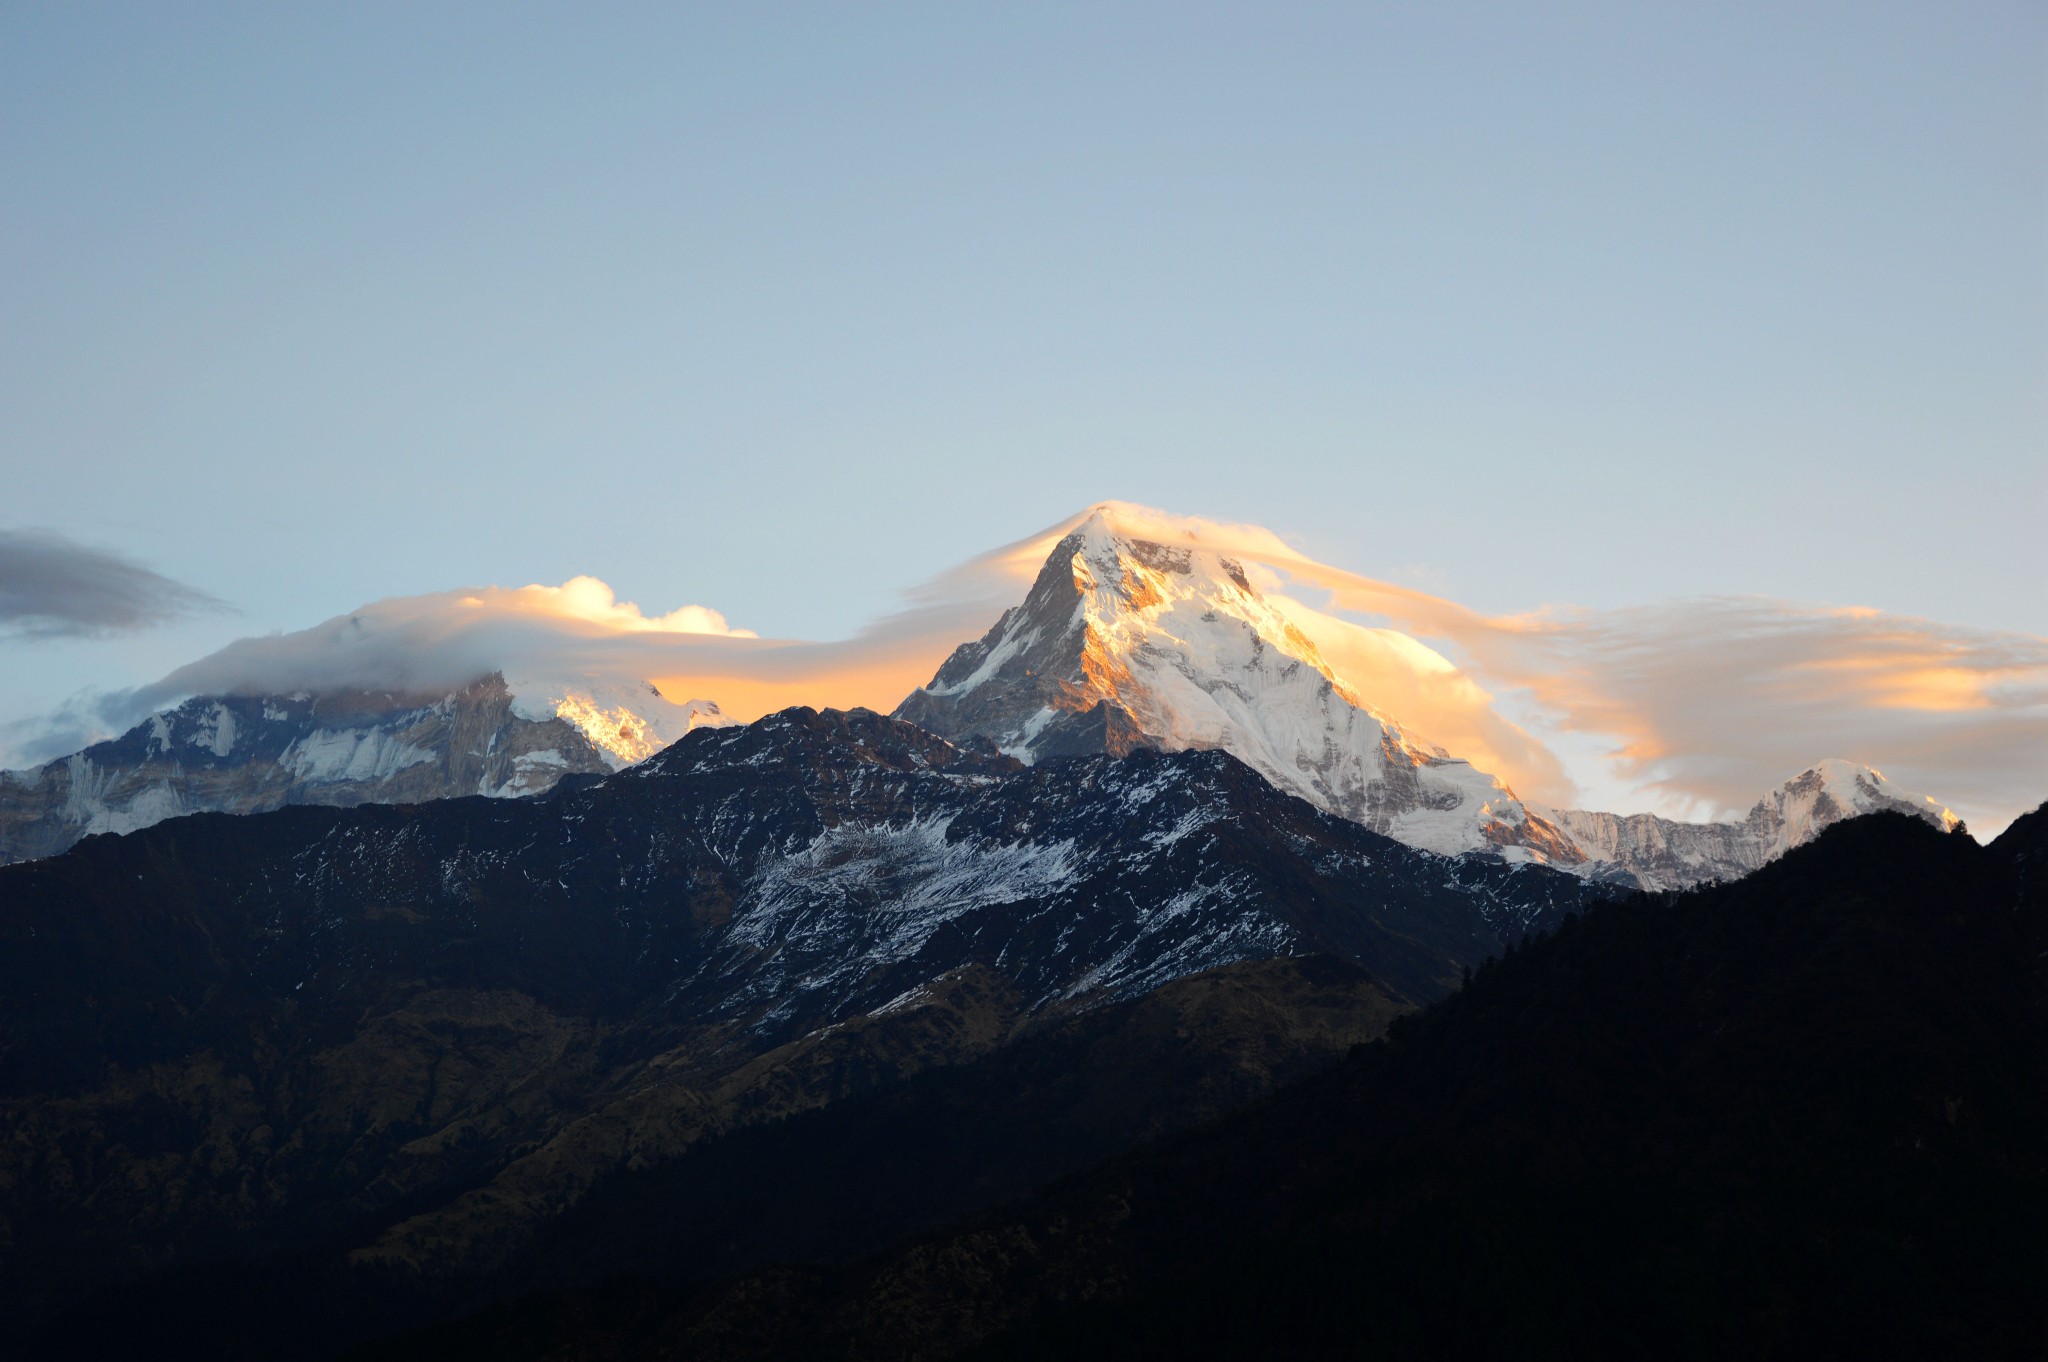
(248, 754)
(1125, 644)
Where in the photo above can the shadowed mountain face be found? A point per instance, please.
(420, 1032)
(1804, 1114)
(253, 753)
(248, 754)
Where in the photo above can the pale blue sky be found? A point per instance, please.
(781, 309)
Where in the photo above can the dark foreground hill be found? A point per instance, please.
(791, 1176)
(397, 1043)
(1805, 1114)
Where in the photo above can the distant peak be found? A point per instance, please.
(1858, 789)
(1116, 518)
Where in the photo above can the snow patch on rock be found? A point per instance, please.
(351, 754)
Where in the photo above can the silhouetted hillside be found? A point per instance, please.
(1802, 1114)
(419, 1033)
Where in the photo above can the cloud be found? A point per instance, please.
(1699, 705)
(590, 601)
(1709, 702)
(425, 644)
(84, 719)
(1702, 705)
(580, 630)
(54, 587)
(1434, 699)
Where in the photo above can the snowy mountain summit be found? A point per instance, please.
(250, 753)
(1125, 643)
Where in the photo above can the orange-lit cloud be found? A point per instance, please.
(580, 629)
(1702, 704)
(1435, 699)
(591, 601)
(1697, 705)
(1700, 698)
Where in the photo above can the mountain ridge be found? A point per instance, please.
(1798, 1114)
(254, 753)
(1123, 642)
(1120, 643)
(256, 1028)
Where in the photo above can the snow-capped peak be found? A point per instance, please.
(1835, 789)
(626, 721)
(1124, 642)
(247, 753)
(1127, 642)
(1660, 853)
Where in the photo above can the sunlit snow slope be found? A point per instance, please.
(1124, 643)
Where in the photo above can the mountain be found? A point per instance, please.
(246, 754)
(1124, 643)
(427, 1029)
(1802, 1114)
(1664, 854)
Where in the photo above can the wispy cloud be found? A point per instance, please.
(1710, 701)
(425, 643)
(54, 587)
(1701, 705)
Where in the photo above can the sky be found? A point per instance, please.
(1615, 314)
